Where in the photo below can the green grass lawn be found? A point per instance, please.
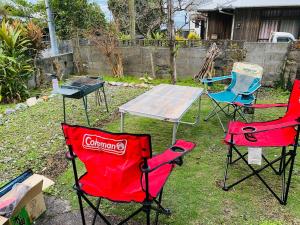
(33, 138)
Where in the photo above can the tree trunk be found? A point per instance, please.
(171, 36)
(131, 8)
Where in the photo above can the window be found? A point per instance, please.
(283, 39)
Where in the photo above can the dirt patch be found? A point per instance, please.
(59, 212)
(56, 165)
(114, 115)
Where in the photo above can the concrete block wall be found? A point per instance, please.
(268, 55)
(45, 67)
(137, 59)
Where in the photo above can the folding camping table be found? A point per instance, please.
(164, 102)
(80, 88)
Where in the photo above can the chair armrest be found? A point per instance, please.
(172, 155)
(214, 79)
(251, 90)
(251, 129)
(261, 106)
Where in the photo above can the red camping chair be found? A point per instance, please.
(120, 168)
(283, 133)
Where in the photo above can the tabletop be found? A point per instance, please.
(163, 102)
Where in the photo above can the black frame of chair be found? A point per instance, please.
(147, 205)
(286, 158)
(237, 110)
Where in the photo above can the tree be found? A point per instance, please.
(73, 16)
(70, 16)
(25, 9)
(172, 7)
(131, 10)
(171, 37)
(105, 40)
(149, 15)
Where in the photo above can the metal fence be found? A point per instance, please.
(159, 43)
(148, 43)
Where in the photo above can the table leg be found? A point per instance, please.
(122, 121)
(197, 120)
(175, 126)
(199, 110)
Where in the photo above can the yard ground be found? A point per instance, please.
(33, 139)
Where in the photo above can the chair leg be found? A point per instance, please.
(95, 214)
(228, 161)
(81, 208)
(159, 201)
(148, 210)
(281, 161)
(293, 154)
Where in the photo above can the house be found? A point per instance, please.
(249, 20)
(197, 23)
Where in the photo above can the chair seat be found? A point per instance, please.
(133, 191)
(230, 97)
(272, 138)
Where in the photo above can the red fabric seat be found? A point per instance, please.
(271, 138)
(114, 161)
(274, 135)
(133, 190)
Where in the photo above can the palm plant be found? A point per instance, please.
(15, 63)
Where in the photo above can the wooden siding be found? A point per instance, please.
(219, 24)
(247, 23)
(254, 24)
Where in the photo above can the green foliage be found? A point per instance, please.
(124, 37)
(146, 79)
(158, 36)
(270, 223)
(15, 63)
(149, 15)
(179, 38)
(26, 10)
(75, 17)
(193, 36)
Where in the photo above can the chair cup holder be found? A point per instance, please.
(177, 149)
(250, 136)
(248, 128)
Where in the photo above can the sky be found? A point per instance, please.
(104, 7)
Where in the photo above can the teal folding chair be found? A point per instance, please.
(245, 81)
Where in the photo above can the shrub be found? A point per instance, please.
(179, 38)
(15, 62)
(193, 36)
(124, 37)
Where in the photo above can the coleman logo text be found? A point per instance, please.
(98, 143)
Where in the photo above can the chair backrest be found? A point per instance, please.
(113, 158)
(244, 76)
(293, 109)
